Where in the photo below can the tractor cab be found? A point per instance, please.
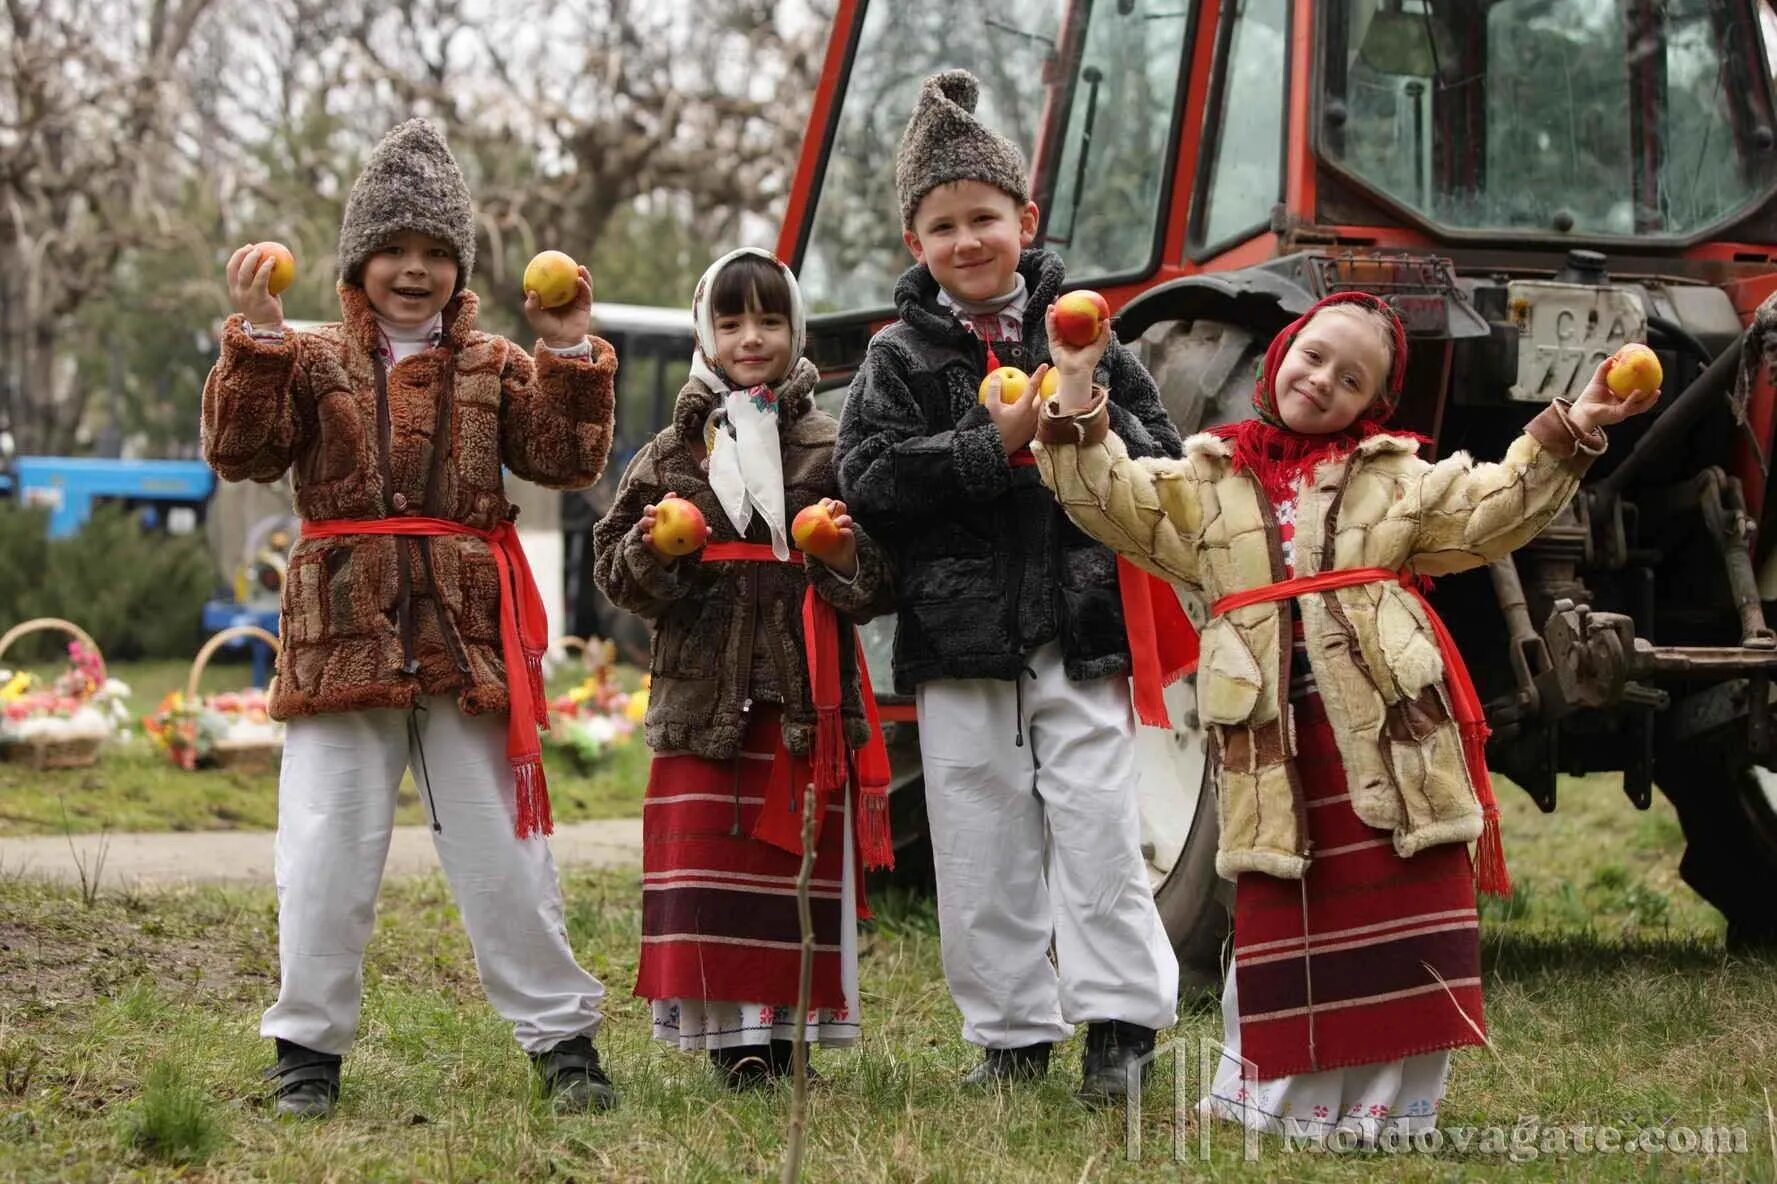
(1531, 184)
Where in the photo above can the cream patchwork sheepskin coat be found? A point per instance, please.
(1376, 662)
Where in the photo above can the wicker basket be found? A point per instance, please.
(52, 752)
(247, 756)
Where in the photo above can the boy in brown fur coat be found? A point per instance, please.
(411, 629)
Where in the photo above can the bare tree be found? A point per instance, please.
(91, 99)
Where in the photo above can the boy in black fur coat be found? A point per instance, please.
(1010, 631)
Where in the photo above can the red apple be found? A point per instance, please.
(1079, 316)
(679, 528)
(815, 531)
(1637, 369)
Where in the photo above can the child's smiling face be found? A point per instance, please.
(970, 234)
(410, 278)
(1334, 370)
(753, 346)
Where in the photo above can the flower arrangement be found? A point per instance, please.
(199, 732)
(82, 704)
(596, 715)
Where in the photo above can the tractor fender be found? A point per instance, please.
(1202, 338)
(1258, 298)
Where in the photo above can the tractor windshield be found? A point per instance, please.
(1088, 90)
(1619, 118)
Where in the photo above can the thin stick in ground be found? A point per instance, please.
(799, 1050)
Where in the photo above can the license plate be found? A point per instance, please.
(1565, 330)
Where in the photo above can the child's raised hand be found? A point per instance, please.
(566, 325)
(1598, 406)
(1075, 364)
(1017, 422)
(249, 273)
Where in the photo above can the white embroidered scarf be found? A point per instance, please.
(746, 462)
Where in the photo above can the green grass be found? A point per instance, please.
(1602, 1007)
(135, 788)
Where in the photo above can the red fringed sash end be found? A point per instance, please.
(875, 843)
(533, 662)
(534, 815)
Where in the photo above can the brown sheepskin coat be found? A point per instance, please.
(727, 635)
(377, 621)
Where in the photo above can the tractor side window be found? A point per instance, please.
(1243, 129)
(1115, 158)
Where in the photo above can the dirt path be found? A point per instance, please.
(246, 856)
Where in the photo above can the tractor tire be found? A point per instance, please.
(1727, 805)
(1176, 790)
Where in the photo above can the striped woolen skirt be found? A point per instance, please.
(1371, 957)
(719, 918)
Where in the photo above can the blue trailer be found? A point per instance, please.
(69, 487)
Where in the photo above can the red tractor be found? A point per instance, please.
(1531, 184)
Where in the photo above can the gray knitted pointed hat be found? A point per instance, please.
(944, 142)
(411, 182)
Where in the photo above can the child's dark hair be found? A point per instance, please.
(750, 282)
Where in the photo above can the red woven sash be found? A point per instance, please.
(1490, 861)
(820, 631)
(524, 636)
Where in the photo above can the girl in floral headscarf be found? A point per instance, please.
(1347, 738)
(757, 689)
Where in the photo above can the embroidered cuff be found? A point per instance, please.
(849, 581)
(264, 332)
(1554, 429)
(580, 349)
(1089, 426)
(1591, 443)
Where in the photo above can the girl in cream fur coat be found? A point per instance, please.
(1348, 742)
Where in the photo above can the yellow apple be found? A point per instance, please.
(1013, 383)
(1635, 368)
(283, 266)
(553, 276)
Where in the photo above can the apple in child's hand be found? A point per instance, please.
(679, 528)
(1634, 368)
(283, 266)
(1013, 383)
(1051, 383)
(814, 530)
(553, 276)
(1079, 316)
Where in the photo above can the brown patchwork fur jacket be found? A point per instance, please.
(727, 635)
(377, 621)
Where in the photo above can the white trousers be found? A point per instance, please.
(1036, 844)
(336, 811)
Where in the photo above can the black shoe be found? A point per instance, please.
(1111, 1048)
(744, 1067)
(572, 1077)
(307, 1082)
(999, 1065)
(783, 1060)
